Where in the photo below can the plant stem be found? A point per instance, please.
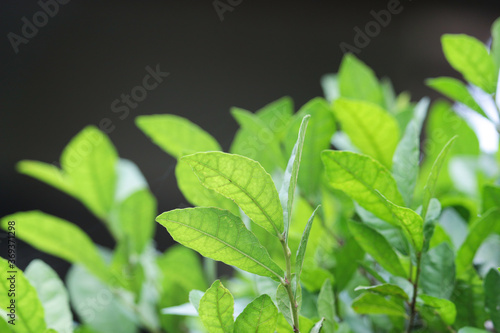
(288, 284)
(413, 311)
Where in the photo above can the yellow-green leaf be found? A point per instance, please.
(216, 309)
(260, 316)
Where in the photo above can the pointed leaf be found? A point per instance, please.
(69, 242)
(291, 175)
(283, 302)
(492, 299)
(386, 289)
(137, 214)
(407, 156)
(470, 57)
(90, 161)
(456, 90)
(320, 129)
(301, 251)
(326, 306)
(28, 311)
(372, 129)
(260, 316)
(318, 326)
(360, 177)
(220, 235)
(442, 307)
(47, 173)
(378, 247)
(245, 182)
(52, 294)
(484, 226)
(434, 175)
(369, 303)
(176, 135)
(216, 309)
(358, 81)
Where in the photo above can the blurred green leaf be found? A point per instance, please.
(260, 316)
(244, 181)
(326, 306)
(216, 309)
(442, 307)
(28, 314)
(360, 177)
(137, 218)
(219, 235)
(456, 90)
(470, 57)
(59, 238)
(468, 297)
(369, 303)
(377, 246)
(89, 160)
(358, 81)
(386, 289)
(437, 276)
(495, 44)
(52, 294)
(491, 197)
(372, 129)
(176, 135)
(283, 302)
(492, 296)
(299, 261)
(47, 173)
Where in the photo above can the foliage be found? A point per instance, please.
(365, 237)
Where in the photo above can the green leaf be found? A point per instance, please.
(471, 330)
(437, 276)
(90, 161)
(176, 135)
(4, 327)
(318, 326)
(372, 129)
(378, 247)
(260, 316)
(326, 307)
(410, 222)
(28, 311)
(245, 182)
(491, 197)
(283, 302)
(405, 165)
(220, 235)
(98, 305)
(358, 81)
(442, 307)
(263, 138)
(137, 214)
(492, 299)
(478, 232)
(468, 297)
(301, 251)
(360, 177)
(291, 175)
(330, 85)
(52, 294)
(369, 303)
(320, 129)
(430, 186)
(216, 309)
(495, 44)
(195, 298)
(196, 193)
(470, 57)
(59, 238)
(456, 90)
(386, 289)
(47, 173)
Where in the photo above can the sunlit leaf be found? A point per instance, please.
(216, 309)
(442, 307)
(260, 316)
(370, 303)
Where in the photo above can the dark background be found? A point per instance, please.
(93, 51)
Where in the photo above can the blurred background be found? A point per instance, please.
(247, 54)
